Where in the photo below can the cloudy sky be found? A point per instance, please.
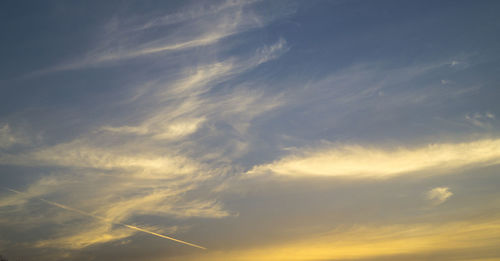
(250, 130)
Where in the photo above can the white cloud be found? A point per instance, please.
(195, 27)
(482, 120)
(181, 106)
(123, 171)
(439, 195)
(444, 82)
(271, 52)
(192, 13)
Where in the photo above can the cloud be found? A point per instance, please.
(116, 181)
(6, 138)
(192, 13)
(444, 82)
(81, 154)
(180, 107)
(149, 168)
(110, 222)
(271, 52)
(38, 188)
(372, 88)
(354, 161)
(9, 138)
(197, 26)
(482, 120)
(88, 235)
(114, 200)
(192, 120)
(439, 195)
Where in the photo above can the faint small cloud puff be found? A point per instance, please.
(10, 137)
(439, 195)
(458, 64)
(482, 120)
(444, 82)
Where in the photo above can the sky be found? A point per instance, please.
(250, 130)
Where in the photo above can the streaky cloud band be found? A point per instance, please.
(107, 220)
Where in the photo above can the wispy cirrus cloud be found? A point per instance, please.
(193, 13)
(125, 38)
(258, 134)
(180, 108)
(10, 137)
(358, 161)
(74, 210)
(116, 200)
(481, 120)
(142, 169)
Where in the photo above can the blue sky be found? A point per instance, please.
(260, 130)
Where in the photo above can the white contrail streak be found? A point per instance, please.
(108, 220)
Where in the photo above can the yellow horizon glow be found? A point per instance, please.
(371, 242)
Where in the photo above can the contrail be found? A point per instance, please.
(108, 220)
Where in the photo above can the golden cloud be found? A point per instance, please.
(358, 161)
